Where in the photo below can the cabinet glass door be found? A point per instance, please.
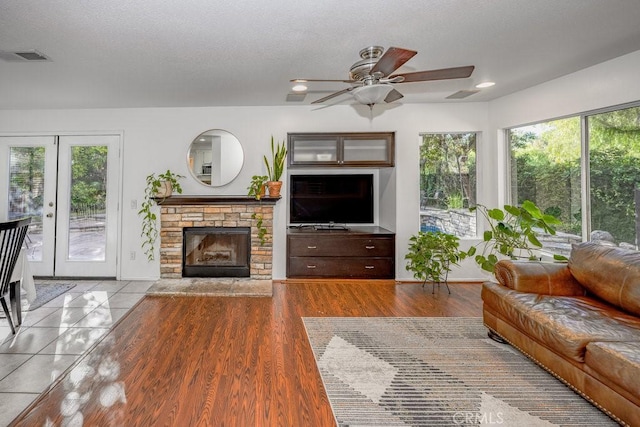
(369, 150)
(315, 150)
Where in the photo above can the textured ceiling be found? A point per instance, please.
(170, 53)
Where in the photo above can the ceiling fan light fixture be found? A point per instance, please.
(299, 88)
(371, 94)
(485, 85)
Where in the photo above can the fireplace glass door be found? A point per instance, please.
(216, 252)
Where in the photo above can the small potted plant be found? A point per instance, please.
(431, 255)
(275, 168)
(257, 187)
(513, 233)
(158, 186)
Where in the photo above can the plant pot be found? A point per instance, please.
(274, 188)
(165, 190)
(263, 191)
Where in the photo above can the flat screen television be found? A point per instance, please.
(326, 199)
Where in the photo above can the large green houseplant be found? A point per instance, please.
(160, 187)
(275, 167)
(431, 255)
(513, 233)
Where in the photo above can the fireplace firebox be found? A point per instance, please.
(216, 252)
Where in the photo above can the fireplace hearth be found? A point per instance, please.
(216, 252)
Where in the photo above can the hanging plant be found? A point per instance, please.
(257, 190)
(160, 186)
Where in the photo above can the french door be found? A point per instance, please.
(68, 185)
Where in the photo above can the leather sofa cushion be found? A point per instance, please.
(564, 324)
(619, 362)
(609, 272)
(537, 277)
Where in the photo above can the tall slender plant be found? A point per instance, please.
(275, 168)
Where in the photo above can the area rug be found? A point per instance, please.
(436, 371)
(45, 292)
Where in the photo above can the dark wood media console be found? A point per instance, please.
(366, 252)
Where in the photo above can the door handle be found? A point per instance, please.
(49, 215)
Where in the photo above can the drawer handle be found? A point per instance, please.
(369, 267)
(370, 247)
(311, 266)
(312, 247)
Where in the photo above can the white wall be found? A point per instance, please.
(608, 84)
(157, 139)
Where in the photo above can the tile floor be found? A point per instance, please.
(57, 334)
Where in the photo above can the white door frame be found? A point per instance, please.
(119, 185)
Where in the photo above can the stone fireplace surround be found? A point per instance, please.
(179, 211)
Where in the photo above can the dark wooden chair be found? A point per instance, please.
(12, 234)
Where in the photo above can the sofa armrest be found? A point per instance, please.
(545, 278)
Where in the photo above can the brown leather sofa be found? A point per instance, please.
(579, 320)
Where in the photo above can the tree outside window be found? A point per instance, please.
(546, 168)
(448, 183)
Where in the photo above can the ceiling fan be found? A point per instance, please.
(372, 77)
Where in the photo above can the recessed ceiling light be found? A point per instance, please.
(299, 88)
(484, 85)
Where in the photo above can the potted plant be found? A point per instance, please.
(158, 187)
(275, 168)
(513, 233)
(431, 255)
(257, 189)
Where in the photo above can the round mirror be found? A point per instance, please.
(215, 157)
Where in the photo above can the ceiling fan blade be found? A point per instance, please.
(394, 95)
(443, 74)
(392, 59)
(333, 95)
(320, 80)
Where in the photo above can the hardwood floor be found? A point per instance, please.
(201, 361)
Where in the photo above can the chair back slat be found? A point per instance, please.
(12, 235)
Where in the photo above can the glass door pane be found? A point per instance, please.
(369, 150)
(26, 193)
(315, 150)
(87, 227)
(28, 189)
(87, 220)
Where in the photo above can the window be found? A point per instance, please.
(614, 175)
(547, 168)
(448, 183)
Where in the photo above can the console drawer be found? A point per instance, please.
(341, 245)
(336, 267)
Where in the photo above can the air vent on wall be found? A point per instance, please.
(462, 94)
(296, 97)
(19, 56)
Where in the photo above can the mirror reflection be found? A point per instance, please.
(215, 157)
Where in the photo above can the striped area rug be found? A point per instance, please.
(436, 371)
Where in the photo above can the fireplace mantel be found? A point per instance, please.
(177, 200)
